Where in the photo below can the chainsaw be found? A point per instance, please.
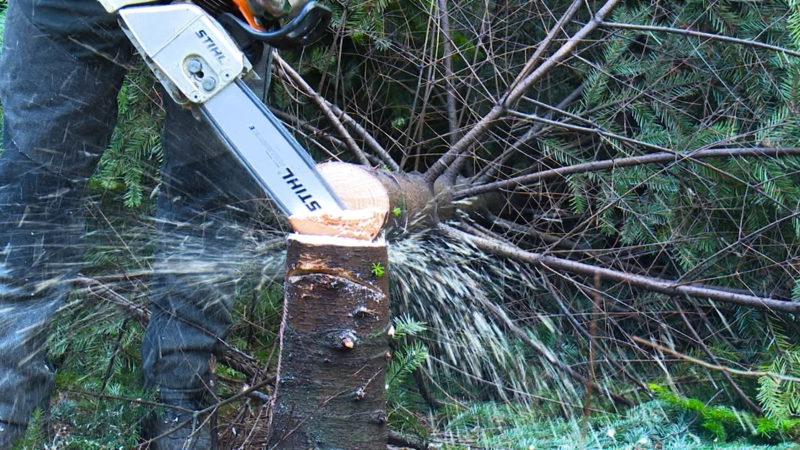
(191, 50)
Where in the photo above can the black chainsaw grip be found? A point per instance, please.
(306, 28)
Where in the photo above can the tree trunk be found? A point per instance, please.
(334, 345)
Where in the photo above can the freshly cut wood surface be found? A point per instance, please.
(356, 224)
(366, 199)
(357, 187)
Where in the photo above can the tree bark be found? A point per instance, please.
(334, 345)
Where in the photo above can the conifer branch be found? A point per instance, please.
(610, 164)
(231, 356)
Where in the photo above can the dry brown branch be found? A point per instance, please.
(610, 164)
(730, 370)
(322, 104)
(701, 34)
(512, 95)
(668, 287)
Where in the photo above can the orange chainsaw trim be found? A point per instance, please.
(244, 8)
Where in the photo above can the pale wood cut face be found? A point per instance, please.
(366, 199)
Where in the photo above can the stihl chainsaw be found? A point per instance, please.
(201, 66)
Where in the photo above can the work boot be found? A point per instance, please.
(167, 433)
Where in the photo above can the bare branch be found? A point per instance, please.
(512, 95)
(716, 37)
(452, 118)
(540, 49)
(607, 164)
(662, 286)
(322, 104)
(744, 373)
(492, 168)
(371, 142)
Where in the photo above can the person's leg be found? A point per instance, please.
(59, 113)
(206, 201)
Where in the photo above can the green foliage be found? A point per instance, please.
(131, 162)
(34, 436)
(780, 398)
(408, 356)
(676, 92)
(405, 360)
(724, 422)
(652, 424)
(96, 352)
(725, 221)
(377, 269)
(258, 312)
(407, 326)
(100, 421)
(3, 8)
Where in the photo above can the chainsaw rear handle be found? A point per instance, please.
(306, 28)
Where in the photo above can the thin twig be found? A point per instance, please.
(455, 167)
(323, 105)
(755, 408)
(668, 287)
(512, 95)
(369, 140)
(491, 169)
(309, 129)
(607, 164)
(540, 348)
(203, 412)
(700, 362)
(545, 43)
(716, 37)
(232, 357)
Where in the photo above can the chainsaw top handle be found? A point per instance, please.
(307, 27)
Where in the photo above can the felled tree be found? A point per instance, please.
(642, 160)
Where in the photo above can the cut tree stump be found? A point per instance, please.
(334, 345)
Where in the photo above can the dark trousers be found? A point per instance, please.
(59, 93)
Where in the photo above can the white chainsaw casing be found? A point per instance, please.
(189, 52)
(114, 5)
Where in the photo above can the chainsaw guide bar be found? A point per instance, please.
(202, 68)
